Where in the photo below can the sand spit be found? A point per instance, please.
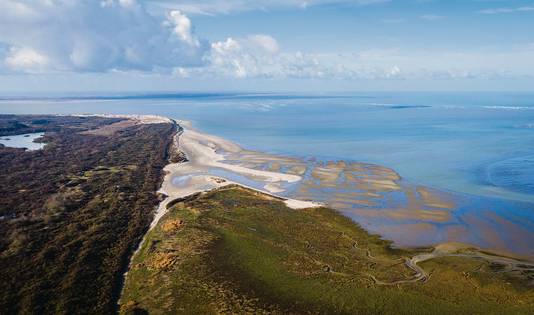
(138, 119)
(205, 152)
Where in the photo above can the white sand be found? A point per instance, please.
(202, 150)
(140, 119)
(205, 151)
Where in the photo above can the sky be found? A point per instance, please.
(260, 45)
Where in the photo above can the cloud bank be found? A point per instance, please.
(43, 36)
(63, 35)
(102, 36)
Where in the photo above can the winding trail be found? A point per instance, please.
(451, 250)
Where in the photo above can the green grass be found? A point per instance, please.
(237, 251)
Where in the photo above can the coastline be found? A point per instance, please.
(204, 153)
(218, 252)
(201, 152)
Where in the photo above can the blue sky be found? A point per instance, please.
(291, 45)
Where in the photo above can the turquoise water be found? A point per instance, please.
(475, 143)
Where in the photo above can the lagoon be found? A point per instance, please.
(25, 141)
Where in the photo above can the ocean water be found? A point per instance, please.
(479, 147)
(474, 143)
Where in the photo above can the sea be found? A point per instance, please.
(475, 144)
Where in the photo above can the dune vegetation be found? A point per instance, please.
(72, 213)
(237, 251)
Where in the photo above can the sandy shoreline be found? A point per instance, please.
(356, 189)
(205, 152)
(214, 162)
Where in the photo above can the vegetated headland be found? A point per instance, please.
(225, 241)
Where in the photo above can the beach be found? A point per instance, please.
(376, 197)
(204, 153)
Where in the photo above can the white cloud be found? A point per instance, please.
(265, 42)
(259, 56)
(507, 10)
(40, 36)
(182, 27)
(24, 58)
(247, 58)
(244, 57)
(58, 35)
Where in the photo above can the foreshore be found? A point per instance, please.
(205, 152)
(358, 190)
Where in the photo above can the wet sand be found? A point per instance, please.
(207, 154)
(374, 196)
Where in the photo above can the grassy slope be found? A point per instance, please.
(73, 212)
(236, 251)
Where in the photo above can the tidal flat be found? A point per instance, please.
(374, 196)
(267, 246)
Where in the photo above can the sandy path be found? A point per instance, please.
(454, 250)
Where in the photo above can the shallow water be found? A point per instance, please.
(25, 141)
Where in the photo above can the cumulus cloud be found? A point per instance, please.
(25, 58)
(182, 27)
(249, 58)
(245, 57)
(259, 56)
(62, 35)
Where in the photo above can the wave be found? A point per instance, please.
(504, 107)
(396, 106)
(526, 126)
(515, 174)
